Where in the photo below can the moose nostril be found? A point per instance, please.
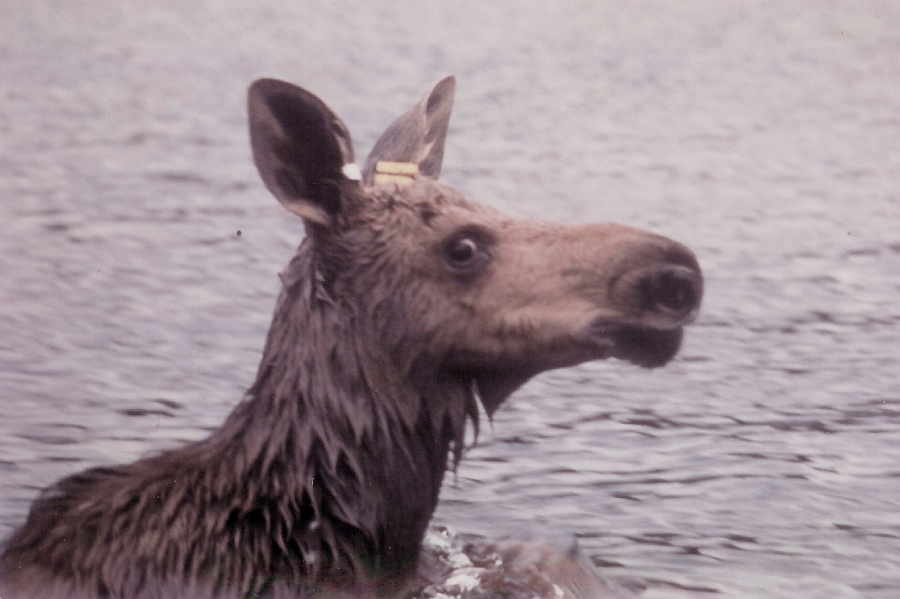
(674, 289)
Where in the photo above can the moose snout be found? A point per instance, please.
(656, 283)
(673, 291)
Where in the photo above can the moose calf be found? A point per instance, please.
(404, 306)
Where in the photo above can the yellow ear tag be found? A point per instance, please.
(401, 173)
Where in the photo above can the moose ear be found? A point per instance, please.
(300, 148)
(418, 136)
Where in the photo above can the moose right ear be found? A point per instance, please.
(300, 148)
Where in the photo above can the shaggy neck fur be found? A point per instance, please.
(342, 449)
(325, 475)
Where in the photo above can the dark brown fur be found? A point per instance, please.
(382, 343)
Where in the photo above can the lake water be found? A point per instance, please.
(764, 462)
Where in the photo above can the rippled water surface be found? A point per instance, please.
(138, 253)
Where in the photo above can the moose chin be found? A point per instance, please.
(404, 307)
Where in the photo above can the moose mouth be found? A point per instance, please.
(670, 296)
(640, 345)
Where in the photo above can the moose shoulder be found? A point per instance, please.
(405, 305)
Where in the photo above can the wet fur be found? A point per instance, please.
(328, 424)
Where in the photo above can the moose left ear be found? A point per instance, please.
(301, 149)
(418, 136)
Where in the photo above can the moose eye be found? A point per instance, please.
(462, 251)
(466, 254)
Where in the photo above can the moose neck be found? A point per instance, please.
(349, 450)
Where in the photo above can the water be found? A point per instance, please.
(762, 463)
